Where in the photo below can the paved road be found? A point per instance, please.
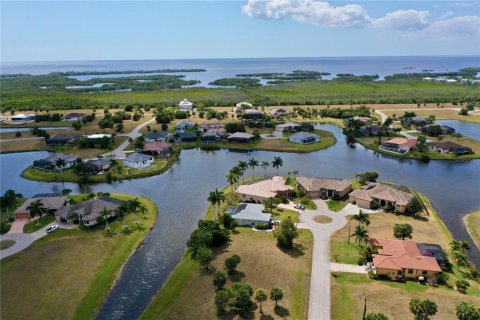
(22, 240)
(135, 133)
(20, 139)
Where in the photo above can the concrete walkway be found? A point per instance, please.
(351, 268)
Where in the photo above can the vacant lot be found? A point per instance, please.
(263, 265)
(472, 222)
(68, 273)
(439, 113)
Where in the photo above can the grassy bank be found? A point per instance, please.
(472, 223)
(439, 113)
(68, 273)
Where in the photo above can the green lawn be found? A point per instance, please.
(43, 221)
(337, 205)
(76, 267)
(472, 222)
(344, 252)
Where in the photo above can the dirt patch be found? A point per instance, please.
(322, 219)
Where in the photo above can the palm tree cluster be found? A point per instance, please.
(459, 251)
(361, 235)
(36, 209)
(216, 198)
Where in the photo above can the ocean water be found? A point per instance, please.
(223, 68)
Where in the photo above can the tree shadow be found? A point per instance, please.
(282, 312)
(266, 317)
(140, 227)
(127, 231)
(236, 276)
(298, 250)
(420, 218)
(109, 233)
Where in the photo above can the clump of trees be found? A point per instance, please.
(366, 177)
(423, 309)
(286, 233)
(402, 231)
(339, 113)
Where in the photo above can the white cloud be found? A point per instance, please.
(405, 20)
(456, 26)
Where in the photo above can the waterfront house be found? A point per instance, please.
(62, 139)
(156, 136)
(212, 136)
(445, 129)
(304, 137)
(357, 120)
(279, 112)
(138, 160)
(184, 125)
(99, 136)
(249, 214)
(22, 118)
(288, 126)
(185, 105)
(243, 106)
(52, 203)
(370, 130)
(158, 148)
(401, 259)
(383, 194)
(96, 166)
(324, 187)
(88, 213)
(401, 145)
(187, 137)
(259, 191)
(418, 121)
(240, 137)
(252, 114)
(49, 163)
(449, 147)
(74, 116)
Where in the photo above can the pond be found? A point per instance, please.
(181, 193)
(23, 129)
(468, 129)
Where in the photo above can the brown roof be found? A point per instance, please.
(240, 135)
(157, 146)
(314, 184)
(265, 188)
(382, 192)
(445, 145)
(51, 203)
(90, 209)
(401, 254)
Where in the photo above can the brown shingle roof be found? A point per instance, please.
(157, 146)
(314, 184)
(382, 192)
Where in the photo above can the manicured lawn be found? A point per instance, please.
(263, 265)
(43, 221)
(472, 222)
(69, 272)
(337, 205)
(4, 244)
(344, 252)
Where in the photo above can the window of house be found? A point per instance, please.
(410, 271)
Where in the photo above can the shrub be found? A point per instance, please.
(374, 204)
(231, 263)
(219, 279)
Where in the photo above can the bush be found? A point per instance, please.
(231, 263)
(361, 261)
(374, 204)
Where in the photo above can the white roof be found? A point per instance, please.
(251, 211)
(241, 104)
(99, 135)
(21, 115)
(185, 102)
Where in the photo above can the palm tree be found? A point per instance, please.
(243, 166)
(362, 218)
(260, 296)
(361, 234)
(253, 163)
(277, 163)
(142, 209)
(121, 211)
(36, 209)
(232, 178)
(105, 214)
(60, 164)
(265, 165)
(295, 173)
(216, 198)
(133, 206)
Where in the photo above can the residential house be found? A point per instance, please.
(22, 118)
(449, 147)
(99, 136)
(88, 213)
(3, 118)
(249, 214)
(384, 194)
(243, 106)
(96, 166)
(187, 137)
(401, 259)
(279, 112)
(51, 204)
(252, 114)
(240, 137)
(212, 136)
(212, 126)
(436, 251)
(288, 126)
(401, 145)
(324, 187)
(357, 119)
(419, 121)
(62, 139)
(159, 148)
(50, 163)
(445, 129)
(138, 160)
(156, 136)
(370, 130)
(259, 191)
(185, 105)
(184, 125)
(74, 116)
(304, 137)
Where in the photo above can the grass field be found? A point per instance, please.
(440, 114)
(43, 221)
(22, 146)
(263, 265)
(68, 273)
(472, 223)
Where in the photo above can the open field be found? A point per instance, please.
(472, 223)
(440, 114)
(263, 265)
(69, 272)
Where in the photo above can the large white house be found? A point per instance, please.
(23, 118)
(304, 137)
(185, 105)
(138, 160)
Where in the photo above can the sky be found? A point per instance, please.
(130, 30)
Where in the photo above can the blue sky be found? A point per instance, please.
(108, 30)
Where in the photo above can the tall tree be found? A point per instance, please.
(252, 163)
(276, 294)
(105, 215)
(265, 165)
(232, 179)
(362, 218)
(36, 209)
(423, 309)
(260, 296)
(277, 163)
(243, 166)
(467, 311)
(402, 231)
(60, 164)
(360, 234)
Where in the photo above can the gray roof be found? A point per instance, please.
(240, 135)
(50, 203)
(314, 184)
(303, 135)
(63, 136)
(138, 157)
(55, 156)
(98, 162)
(156, 135)
(251, 211)
(90, 209)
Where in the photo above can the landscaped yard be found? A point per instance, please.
(68, 273)
(337, 205)
(42, 222)
(472, 222)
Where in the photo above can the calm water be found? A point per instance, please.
(468, 129)
(221, 68)
(180, 194)
(8, 130)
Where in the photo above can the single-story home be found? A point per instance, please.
(184, 125)
(187, 137)
(259, 191)
(95, 166)
(288, 126)
(156, 136)
(185, 105)
(212, 136)
(401, 145)
(384, 194)
(303, 137)
(324, 187)
(445, 129)
(243, 106)
(361, 120)
(436, 251)
(159, 148)
(211, 126)
(22, 118)
(99, 136)
(252, 114)
(138, 160)
(370, 130)
(62, 139)
(240, 137)
(50, 163)
(74, 116)
(51, 204)
(89, 212)
(279, 112)
(401, 259)
(449, 147)
(418, 120)
(249, 214)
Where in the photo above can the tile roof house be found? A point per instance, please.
(400, 259)
(240, 137)
(324, 187)
(89, 212)
(449, 147)
(185, 105)
(51, 204)
(159, 148)
(74, 116)
(95, 166)
(385, 195)
(259, 191)
(156, 136)
(49, 163)
(304, 137)
(401, 145)
(184, 125)
(279, 112)
(249, 214)
(62, 139)
(138, 160)
(287, 126)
